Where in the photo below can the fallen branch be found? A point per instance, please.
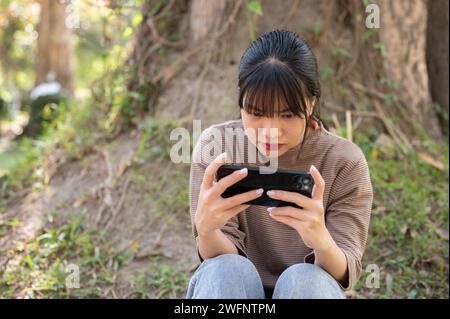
(431, 161)
(398, 136)
(119, 204)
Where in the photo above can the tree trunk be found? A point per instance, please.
(403, 33)
(437, 57)
(55, 56)
(211, 19)
(205, 17)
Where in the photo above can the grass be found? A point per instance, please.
(9, 160)
(40, 267)
(165, 281)
(47, 265)
(407, 237)
(161, 191)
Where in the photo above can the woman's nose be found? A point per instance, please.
(272, 128)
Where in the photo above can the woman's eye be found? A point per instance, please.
(257, 114)
(288, 116)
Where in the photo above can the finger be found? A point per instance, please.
(242, 198)
(319, 183)
(296, 198)
(231, 179)
(292, 222)
(210, 172)
(230, 213)
(287, 211)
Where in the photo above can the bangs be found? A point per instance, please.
(272, 89)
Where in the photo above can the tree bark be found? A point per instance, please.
(437, 56)
(403, 33)
(55, 53)
(205, 17)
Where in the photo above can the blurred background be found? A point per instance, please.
(91, 204)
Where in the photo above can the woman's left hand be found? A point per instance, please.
(308, 221)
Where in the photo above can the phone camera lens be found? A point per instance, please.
(302, 182)
(306, 180)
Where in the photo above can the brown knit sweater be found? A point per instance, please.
(273, 246)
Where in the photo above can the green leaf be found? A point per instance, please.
(368, 33)
(325, 73)
(14, 222)
(255, 7)
(317, 27)
(29, 261)
(127, 32)
(380, 46)
(389, 98)
(341, 52)
(137, 20)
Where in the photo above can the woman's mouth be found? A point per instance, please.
(272, 147)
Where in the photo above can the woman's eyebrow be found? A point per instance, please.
(286, 111)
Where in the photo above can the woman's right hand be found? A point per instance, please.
(214, 211)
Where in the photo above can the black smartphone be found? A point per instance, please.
(288, 180)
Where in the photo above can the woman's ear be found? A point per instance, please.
(311, 104)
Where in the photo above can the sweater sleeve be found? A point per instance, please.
(348, 215)
(202, 156)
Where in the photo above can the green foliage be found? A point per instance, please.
(410, 214)
(341, 52)
(158, 133)
(326, 73)
(165, 281)
(101, 105)
(317, 28)
(367, 34)
(38, 268)
(253, 7)
(18, 47)
(381, 47)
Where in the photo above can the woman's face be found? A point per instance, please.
(287, 131)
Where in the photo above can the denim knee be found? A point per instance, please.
(226, 276)
(307, 281)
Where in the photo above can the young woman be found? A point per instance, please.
(250, 251)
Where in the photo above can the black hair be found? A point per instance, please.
(279, 71)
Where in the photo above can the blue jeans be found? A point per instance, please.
(232, 276)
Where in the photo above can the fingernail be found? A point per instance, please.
(270, 193)
(270, 209)
(243, 171)
(221, 158)
(259, 191)
(312, 168)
